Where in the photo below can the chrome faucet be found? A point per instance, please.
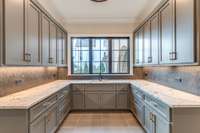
(100, 77)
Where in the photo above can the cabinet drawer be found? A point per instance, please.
(78, 88)
(159, 106)
(38, 109)
(100, 87)
(122, 87)
(137, 93)
(64, 93)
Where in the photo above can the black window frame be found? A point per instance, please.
(110, 61)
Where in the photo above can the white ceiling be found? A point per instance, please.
(112, 11)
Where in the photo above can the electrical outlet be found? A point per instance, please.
(19, 81)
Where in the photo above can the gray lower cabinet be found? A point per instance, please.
(108, 100)
(154, 122)
(46, 123)
(78, 101)
(148, 120)
(51, 120)
(92, 100)
(122, 100)
(38, 126)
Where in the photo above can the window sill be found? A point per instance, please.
(74, 75)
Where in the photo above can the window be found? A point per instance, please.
(100, 55)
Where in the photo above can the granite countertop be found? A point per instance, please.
(28, 98)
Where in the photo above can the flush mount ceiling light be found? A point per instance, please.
(98, 0)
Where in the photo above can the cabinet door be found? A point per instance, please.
(148, 120)
(92, 100)
(154, 39)
(14, 32)
(38, 126)
(51, 120)
(185, 40)
(45, 40)
(60, 47)
(139, 47)
(33, 43)
(53, 45)
(136, 48)
(167, 33)
(160, 124)
(122, 100)
(78, 101)
(108, 100)
(147, 44)
(64, 49)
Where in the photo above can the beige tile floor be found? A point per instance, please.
(100, 122)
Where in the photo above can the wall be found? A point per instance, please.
(15, 79)
(186, 78)
(100, 28)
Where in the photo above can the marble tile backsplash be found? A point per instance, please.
(182, 78)
(15, 79)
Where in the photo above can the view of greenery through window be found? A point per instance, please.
(100, 55)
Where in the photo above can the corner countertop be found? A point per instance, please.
(28, 98)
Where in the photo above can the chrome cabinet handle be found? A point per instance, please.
(149, 59)
(172, 55)
(27, 57)
(51, 60)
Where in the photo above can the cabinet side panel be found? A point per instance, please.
(1, 31)
(185, 120)
(13, 121)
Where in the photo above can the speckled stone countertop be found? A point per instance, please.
(28, 98)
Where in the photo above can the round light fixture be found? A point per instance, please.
(98, 0)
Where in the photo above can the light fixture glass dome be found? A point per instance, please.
(98, 0)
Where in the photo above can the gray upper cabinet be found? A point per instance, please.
(167, 33)
(14, 32)
(185, 31)
(139, 47)
(154, 23)
(45, 40)
(147, 43)
(53, 45)
(64, 55)
(61, 48)
(33, 42)
(30, 36)
(170, 35)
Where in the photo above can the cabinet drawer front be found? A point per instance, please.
(159, 106)
(64, 93)
(78, 88)
(100, 87)
(38, 109)
(137, 93)
(122, 87)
